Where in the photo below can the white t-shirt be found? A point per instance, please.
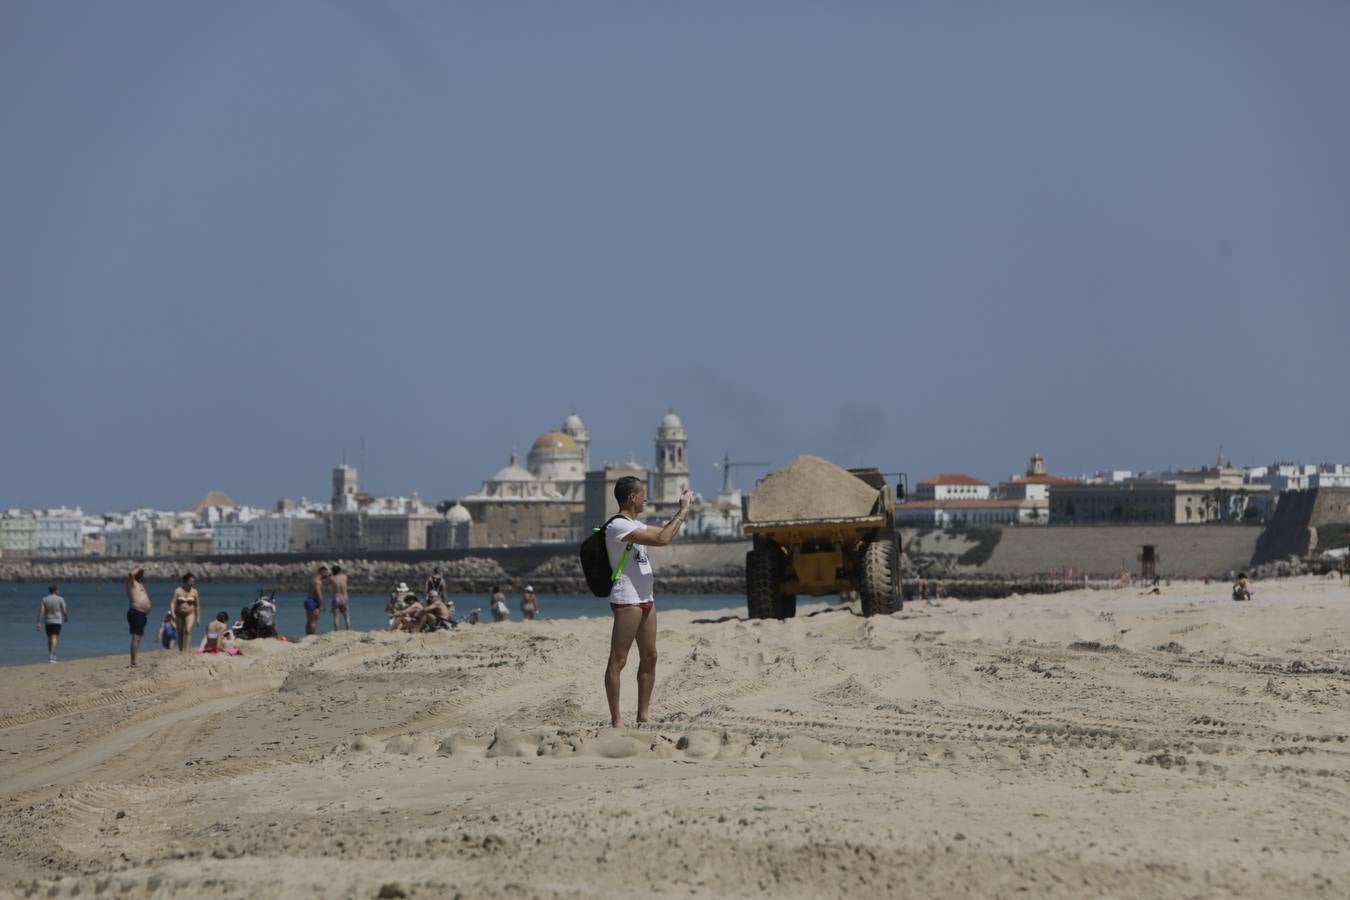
(636, 583)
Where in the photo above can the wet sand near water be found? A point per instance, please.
(1088, 744)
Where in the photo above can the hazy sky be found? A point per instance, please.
(236, 239)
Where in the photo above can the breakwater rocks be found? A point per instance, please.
(470, 575)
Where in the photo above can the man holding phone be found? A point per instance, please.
(632, 598)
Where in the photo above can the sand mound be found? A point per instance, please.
(810, 488)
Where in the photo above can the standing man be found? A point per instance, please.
(314, 601)
(138, 609)
(52, 614)
(341, 605)
(187, 606)
(631, 597)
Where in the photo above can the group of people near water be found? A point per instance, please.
(433, 610)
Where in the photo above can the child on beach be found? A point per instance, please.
(167, 632)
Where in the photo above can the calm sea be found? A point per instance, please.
(98, 623)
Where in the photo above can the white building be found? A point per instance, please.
(231, 538)
(1288, 476)
(60, 532)
(1330, 476)
(134, 541)
(951, 487)
(18, 534)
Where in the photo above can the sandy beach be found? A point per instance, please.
(1086, 744)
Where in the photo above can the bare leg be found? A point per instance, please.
(312, 621)
(646, 676)
(626, 624)
(135, 645)
(180, 622)
(51, 644)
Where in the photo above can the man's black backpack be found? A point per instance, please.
(600, 577)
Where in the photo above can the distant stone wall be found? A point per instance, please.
(1293, 528)
(1184, 551)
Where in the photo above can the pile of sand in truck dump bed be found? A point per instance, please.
(810, 488)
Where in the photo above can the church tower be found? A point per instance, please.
(671, 475)
(576, 429)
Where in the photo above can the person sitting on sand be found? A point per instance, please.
(216, 631)
(409, 613)
(433, 615)
(1242, 588)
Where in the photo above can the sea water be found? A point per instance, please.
(98, 614)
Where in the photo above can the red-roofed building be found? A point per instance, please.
(1034, 485)
(951, 487)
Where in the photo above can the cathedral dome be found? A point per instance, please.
(671, 421)
(554, 442)
(573, 425)
(458, 515)
(512, 472)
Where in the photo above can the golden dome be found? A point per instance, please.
(554, 440)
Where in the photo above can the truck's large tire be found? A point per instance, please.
(764, 598)
(761, 582)
(880, 587)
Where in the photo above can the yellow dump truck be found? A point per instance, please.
(819, 530)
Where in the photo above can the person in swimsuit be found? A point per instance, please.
(631, 597)
(218, 628)
(434, 613)
(435, 582)
(314, 600)
(186, 605)
(500, 612)
(167, 632)
(138, 609)
(341, 605)
(529, 604)
(52, 614)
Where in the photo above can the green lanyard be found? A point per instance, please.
(623, 560)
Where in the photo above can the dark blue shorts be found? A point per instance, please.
(136, 620)
(311, 604)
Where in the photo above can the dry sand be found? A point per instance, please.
(1092, 744)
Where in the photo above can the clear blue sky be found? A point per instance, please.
(235, 239)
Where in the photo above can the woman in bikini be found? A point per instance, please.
(186, 605)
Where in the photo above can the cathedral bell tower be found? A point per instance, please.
(671, 475)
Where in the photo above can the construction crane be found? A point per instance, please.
(726, 465)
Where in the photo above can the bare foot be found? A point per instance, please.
(617, 723)
(643, 720)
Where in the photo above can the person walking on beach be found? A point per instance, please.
(529, 604)
(341, 604)
(52, 614)
(314, 601)
(186, 605)
(632, 598)
(138, 609)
